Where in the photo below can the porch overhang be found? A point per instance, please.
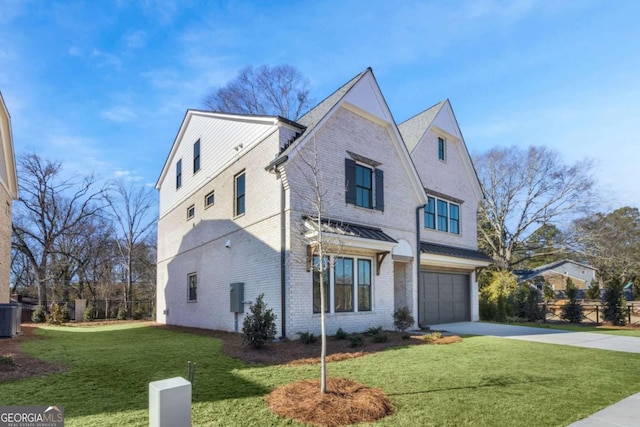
(436, 255)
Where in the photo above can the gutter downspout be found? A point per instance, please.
(283, 247)
(418, 260)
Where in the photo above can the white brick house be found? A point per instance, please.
(400, 202)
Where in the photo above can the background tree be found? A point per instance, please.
(133, 220)
(572, 310)
(526, 189)
(610, 242)
(279, 90)
(49, 208)
(614, 302)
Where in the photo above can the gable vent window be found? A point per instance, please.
(179, 174)
(442, 215)
(364, 184)
(442, 149)
(196, 156)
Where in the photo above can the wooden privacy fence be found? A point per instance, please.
(593, 311)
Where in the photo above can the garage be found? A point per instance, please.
(443, 298)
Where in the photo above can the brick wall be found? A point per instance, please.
(5, 244)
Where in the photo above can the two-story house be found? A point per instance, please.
(238, 199)
(8, 193)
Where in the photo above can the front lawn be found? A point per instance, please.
(480, 381)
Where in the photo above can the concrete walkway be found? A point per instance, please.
(625, 413)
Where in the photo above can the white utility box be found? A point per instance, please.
(170, 403)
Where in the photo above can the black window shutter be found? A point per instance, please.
(350, 180)
(379, 190)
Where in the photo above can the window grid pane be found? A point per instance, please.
(430, 214)
(454, 218)
(343, 284)
(196, 156)
(363, 187)
(441, 148)
(179, 174)
(316, 284)
(192, 281)
(443, 220)
(209, 199)
(364, 285)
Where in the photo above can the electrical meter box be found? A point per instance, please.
(236, 291)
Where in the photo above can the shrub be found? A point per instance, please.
(374, 331)
(55, 317)
(496, 296)
(572, 311)
(432, 337)
(594, 291)
(531, 309)
(89, 313)
(548, 292)
(6, 363)
(614, 302)
(66, 313)
(380, 337)
(307, 337)
(122, 312)
(259, 327)
(403, 320)
(138, 314)
(356, 340)
(39, 315)
(341, 334)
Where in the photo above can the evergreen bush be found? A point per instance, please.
(89, 313)
(403, 320)
(39, 315)
(572, 311)
(259, 327)
(615, 304)
(55, 317)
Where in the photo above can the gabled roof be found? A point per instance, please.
(8, 154)
(316, 117)
(530, 274)
(414, 128)
(436, 249)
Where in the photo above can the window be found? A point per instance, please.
(191, 212)
(443, 216)
(209, 199)
(454, 218)
(343, 284)
(351, 281)
(239, 194)
(364, 185)
(441, 148)
(192, 287)
(364, 285)
(179, 174)
(430, 213)
(316, 283)
(196, 156)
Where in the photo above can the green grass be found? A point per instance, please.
(481, 381)
(581, 328)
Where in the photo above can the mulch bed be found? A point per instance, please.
(24, 366)
(345, 402)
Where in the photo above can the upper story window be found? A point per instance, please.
(209, 199)
(442, 147)
(179, 174)
(192, 287)
(196, 156)
(191, 212)
(442, 215)
(239, 196)
(364, 183)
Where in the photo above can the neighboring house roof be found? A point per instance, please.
(524, 275)
(353, 230)
(436, 249)
(414, 128)
(10, 178)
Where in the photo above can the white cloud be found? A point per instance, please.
(135, 40)
(120, 114)
(105, 59)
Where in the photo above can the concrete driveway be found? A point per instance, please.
(549, 336)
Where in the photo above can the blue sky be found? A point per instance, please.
(102, 86)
